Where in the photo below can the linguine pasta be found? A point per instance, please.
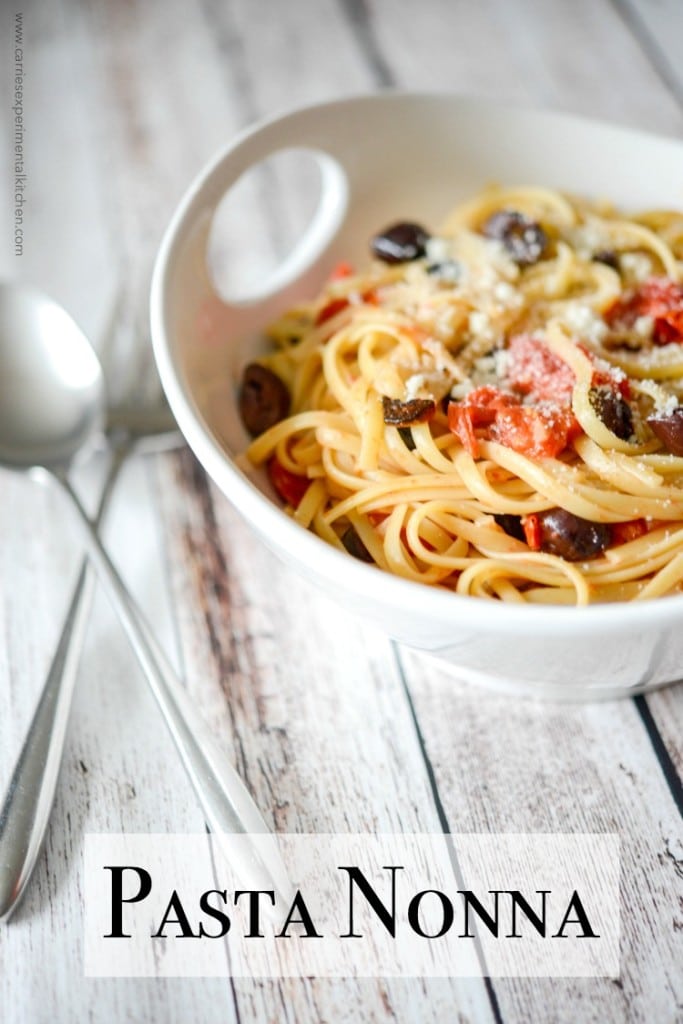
(494, 408)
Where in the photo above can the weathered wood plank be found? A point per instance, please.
(133, 132)
(265, 767)
(569, 60)
(580, 57)
(529, 767)
(140, 94)
(62, 208)
(314, 718)
(581, 52)
(120, 770)
(658, 26)
(305, 54)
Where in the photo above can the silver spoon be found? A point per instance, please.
(51, 409)
(26, 807)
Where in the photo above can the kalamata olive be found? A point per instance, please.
(410, 413)
(572, 538)
(263, 399)
(400, 243)
(523, 238)
(511, 524)
(355, 546)
(606, 256)
(669, 430)
(446, 270)
(613, 410)
(407, 438)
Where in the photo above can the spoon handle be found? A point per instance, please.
(228, 807)
(25, 810)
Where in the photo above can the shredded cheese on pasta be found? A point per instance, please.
(503, 350)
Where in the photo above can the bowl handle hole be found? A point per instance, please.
(274, 223)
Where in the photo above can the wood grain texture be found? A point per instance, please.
(315, 720)
(658, 26)
(330, 728)
(537, 768)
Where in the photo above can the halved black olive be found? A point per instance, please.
(613, 410)
(511, 524)
(669, 430)
(523, 238)
(410, 413)
(263, 399)
(400, 243)
(355, 546)
(571, 537)
(407, 438)
(606, 256)
(448, 271)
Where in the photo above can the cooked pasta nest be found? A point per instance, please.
(530, 391)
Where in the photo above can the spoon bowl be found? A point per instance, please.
(51, 383)
(51, 407)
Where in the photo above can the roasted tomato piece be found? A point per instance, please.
(659, 298)
(668, 327)
(541, 431)
(331, 309)
(531, 527)
(335, 306)
(486, 402)
(479, 409)
(290, 486)
(616, 380)
(461, 423)
(342, 270)
(622, 533)
(534, 369)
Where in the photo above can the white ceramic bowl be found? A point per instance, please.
(382, 158)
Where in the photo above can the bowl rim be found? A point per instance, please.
(443, 606)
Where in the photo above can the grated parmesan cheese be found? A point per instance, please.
(587, 238)
(413, 385)
(438, 250)
(480, 326)
(585, 321)
(643, 326)
(637, 265)
(507, 295)
(461, 390)
(664, 403)
(502, 360)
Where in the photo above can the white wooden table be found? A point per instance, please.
(124, 102)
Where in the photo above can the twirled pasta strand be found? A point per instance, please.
(424, 510)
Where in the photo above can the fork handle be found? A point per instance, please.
(25, 810)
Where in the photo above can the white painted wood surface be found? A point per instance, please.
(332, 730)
